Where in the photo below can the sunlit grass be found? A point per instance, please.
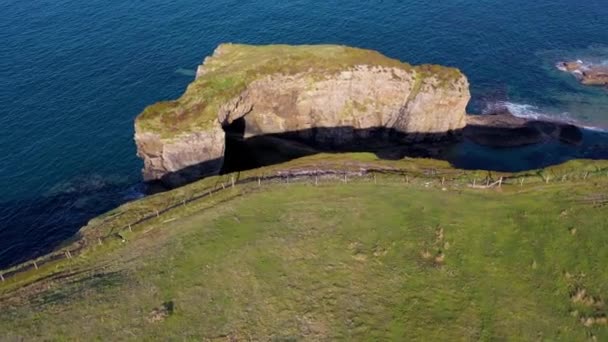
(365, 259)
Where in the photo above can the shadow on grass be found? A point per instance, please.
(75, 290)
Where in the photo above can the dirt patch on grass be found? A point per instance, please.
(594, 305)
(436, 252)
(580, 296)
(161, 313)
(596, 320)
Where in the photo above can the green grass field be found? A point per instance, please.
(363, 260)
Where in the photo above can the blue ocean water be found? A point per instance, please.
(74, 74)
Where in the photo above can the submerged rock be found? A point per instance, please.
(328, 95)
(503, 129)
(588, 74)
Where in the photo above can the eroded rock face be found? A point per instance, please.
(187, 157)
(343, 106)
(587, 74)
(350, 106)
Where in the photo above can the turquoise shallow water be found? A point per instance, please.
(74, 74)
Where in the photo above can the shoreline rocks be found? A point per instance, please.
(503, 129)
(587, 74)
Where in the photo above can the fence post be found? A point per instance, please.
(521, 182)
(345, 180)
(2, 277)
(407, 179)
(130, 229)
(157, 213)
(316, 179)
(223, 186)
(99, 241)
(474, 182)
(442, 180)
(232, 180)
(35, 265)
(259, 182)
(586, 175)
(500, 182)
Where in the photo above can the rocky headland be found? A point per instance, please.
(327, 96)
(587, 74)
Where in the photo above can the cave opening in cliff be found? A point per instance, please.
(245, 153)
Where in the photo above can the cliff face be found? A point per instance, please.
(305, 90)
(184, 158)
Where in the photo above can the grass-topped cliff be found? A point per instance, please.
(410, 251)
(332, 95)
(233, 67)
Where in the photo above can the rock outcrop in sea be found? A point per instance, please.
(328, 95)
(503, 129)
(587, 74)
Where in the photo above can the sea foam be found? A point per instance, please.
(532, 112)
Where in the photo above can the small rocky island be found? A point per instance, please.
(586, 73)
(327, 96)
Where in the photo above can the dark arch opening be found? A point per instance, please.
(243, 153)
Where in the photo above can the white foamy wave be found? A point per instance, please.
(525, 111)
(531, 112)
(595, 129)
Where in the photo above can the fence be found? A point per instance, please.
(454, 178)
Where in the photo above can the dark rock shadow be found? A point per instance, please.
(244, 153)
(506, 144)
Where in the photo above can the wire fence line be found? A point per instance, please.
(430, 176)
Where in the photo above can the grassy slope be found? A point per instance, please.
(229, 73)
(342, 261)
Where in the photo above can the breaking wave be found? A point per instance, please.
(532, 112)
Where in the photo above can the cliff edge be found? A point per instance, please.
(303, 90)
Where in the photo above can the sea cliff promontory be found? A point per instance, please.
(327, 94)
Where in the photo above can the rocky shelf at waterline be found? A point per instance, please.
(503, 129)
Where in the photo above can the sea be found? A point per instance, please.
(75, 74)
